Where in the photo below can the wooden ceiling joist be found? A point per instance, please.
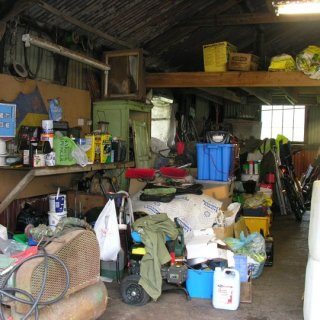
(249, 19)
(229, 79)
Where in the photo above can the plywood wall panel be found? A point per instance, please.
(76, 103)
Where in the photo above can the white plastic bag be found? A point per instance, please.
(107, 232)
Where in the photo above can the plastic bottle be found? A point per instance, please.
(226, 289)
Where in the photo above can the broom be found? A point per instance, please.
(173, 172)
(140, 173)
(149, 173)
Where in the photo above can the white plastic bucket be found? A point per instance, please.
(226, 289)
(311, 306)
(58, 204)
(314, 226)
(54, 218)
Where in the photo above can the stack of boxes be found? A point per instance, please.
(223, 56)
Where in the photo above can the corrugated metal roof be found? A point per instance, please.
(165, 29)
(173, 32)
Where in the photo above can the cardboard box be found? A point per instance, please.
(106, 148)
(246, 291)
(223, 232)
(225, 203)
(90, 140)
(216, 56)
(219, 191)
(243, 62)
(136, 185)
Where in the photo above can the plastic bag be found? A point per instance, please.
(308, 61)
(253, 246)
(107, 232)
(11, 247)
(80, 156)
(283, 62)
(55, 111)
(68, 153)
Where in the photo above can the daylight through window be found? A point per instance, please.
(282, 119)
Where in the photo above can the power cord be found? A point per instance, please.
(35, 302)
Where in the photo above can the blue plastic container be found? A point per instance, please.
(199, 284)
(214, 161)
(240, 264)
(203, 161)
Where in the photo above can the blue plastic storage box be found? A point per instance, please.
(214, 161)
(199, 283)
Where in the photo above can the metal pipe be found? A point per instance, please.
(44, 44)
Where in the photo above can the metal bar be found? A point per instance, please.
(52, 47)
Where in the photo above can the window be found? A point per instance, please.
(286, 120)
(161, 118)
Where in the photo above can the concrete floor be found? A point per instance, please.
(277, 294)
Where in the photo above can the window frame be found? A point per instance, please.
(284, 107)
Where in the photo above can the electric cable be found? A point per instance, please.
(32, 301)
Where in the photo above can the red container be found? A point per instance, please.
(180, 148)
(270, 178)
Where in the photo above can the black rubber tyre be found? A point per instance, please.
(132, 293)
(295, 200)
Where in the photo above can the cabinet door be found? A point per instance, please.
(142, 154)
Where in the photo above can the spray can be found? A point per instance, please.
(251, 167)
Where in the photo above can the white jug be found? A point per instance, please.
(226, 289)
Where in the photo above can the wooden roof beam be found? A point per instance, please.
(248, 19)
(229, 79)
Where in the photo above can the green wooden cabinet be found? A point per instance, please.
(120, 114)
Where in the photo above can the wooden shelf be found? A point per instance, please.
(229, 79)
(30, 174)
